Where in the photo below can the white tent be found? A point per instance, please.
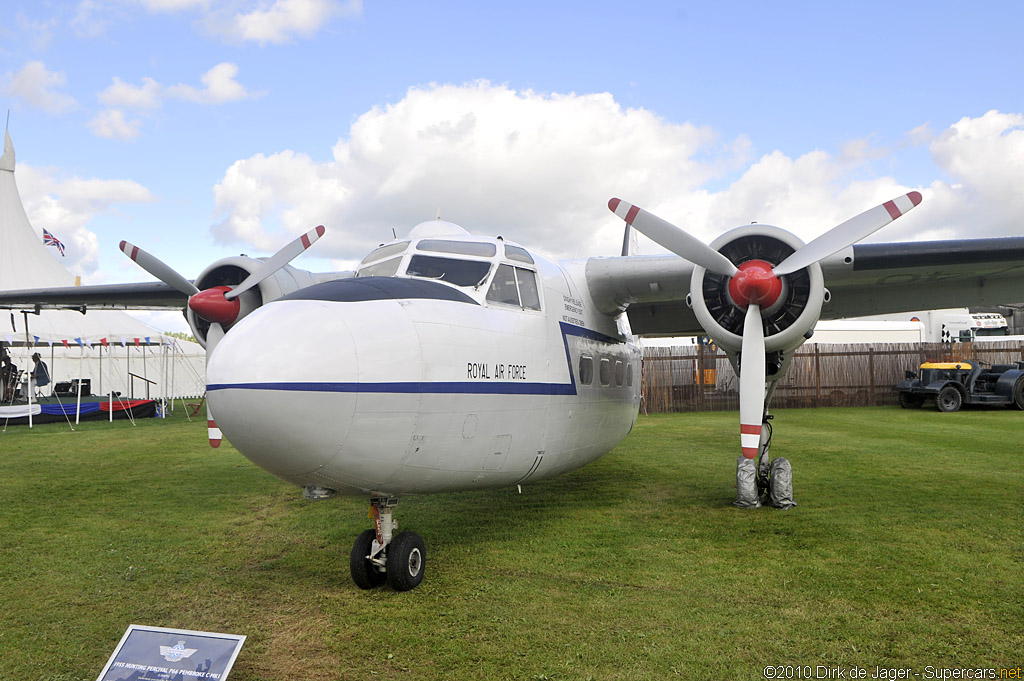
(113, 349)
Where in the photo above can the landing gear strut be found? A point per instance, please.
(379, 555)
(766, 482)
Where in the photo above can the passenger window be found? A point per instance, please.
(606, 371)
(619, 371)
(629, 375)
(586, 370)
(503, 288)
(528, 288)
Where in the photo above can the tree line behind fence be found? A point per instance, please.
(700, 378)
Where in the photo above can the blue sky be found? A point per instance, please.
(204, 128)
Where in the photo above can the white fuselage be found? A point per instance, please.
(401, 392)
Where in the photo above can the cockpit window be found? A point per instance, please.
(385, 251)
(477, 248)
(503, 288)
(385, 268)
(515, 286)
(528, 293)
(518, 254)
(451, 270)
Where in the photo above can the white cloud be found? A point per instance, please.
(539, 169)
(984, 156)
(280, 21)
(39, 33)
(66, 206)
(112, 124)
(39, 88)
(122, 94)
(219, 86)
(527, 165)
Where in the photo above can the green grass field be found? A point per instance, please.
(906, 550)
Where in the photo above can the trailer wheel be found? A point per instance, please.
(1018, 393)
(949, 399)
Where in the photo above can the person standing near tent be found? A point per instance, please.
(8, 375)
(40, 375)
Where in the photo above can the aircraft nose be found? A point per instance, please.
(268, 383)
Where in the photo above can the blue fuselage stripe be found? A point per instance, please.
(409, 387)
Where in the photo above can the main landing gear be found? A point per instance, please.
(378, 555)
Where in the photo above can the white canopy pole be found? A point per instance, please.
(81, 364)
(110, 383)
(28, 379)
(174, 365)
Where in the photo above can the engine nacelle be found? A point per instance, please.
(231, 272)
(787, 322)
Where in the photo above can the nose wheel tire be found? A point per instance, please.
(364, 573)
(406, 561)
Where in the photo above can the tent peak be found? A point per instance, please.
(7, 160)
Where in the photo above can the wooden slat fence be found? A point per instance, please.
(700, 378)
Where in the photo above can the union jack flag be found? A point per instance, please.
(51, 240)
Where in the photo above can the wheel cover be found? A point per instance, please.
(415, 562)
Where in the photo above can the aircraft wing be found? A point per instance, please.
(864, 279)
(143, 296)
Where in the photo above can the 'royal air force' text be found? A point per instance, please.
(496, 372)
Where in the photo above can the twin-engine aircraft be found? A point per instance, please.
(449, 361)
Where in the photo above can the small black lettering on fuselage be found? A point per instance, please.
(498, 372)
(474, 370)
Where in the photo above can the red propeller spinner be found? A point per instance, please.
(756, 283)
(212, 305)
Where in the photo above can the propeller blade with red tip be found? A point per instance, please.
(752, 378)
(673, 238)
(848, 233)
(277, 261)
(158, 269)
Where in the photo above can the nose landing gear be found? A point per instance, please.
(378, 555)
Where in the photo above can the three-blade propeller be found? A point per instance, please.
(755, 285)
(219, 305)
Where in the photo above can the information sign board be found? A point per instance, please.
(158, 654)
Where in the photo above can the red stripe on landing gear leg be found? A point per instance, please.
(213, 432)
(750, 435)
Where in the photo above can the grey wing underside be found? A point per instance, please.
(154, 295)
(864, 279)
(142, 296)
